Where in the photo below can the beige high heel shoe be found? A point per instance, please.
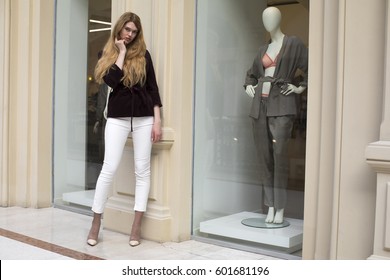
(134, 243)
(92, 242)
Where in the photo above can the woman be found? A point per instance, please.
(133, 107)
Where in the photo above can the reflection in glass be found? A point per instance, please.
(82, 28)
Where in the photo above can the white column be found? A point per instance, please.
(322, 99)
(344, 115)
(27, 123)
(378, 157)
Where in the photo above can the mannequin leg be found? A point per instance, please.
(279, 216)
(264, 144)
(274, 217)
(94, 231)
(270, 215)
(135, 235)
(281, 128)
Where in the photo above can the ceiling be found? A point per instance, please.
(305, 3)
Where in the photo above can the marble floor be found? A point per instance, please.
(56, 234)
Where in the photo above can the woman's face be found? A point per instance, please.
(128, 33)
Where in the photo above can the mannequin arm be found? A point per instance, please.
(291, 88)
(250, 90)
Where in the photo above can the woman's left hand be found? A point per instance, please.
(291, 88)
(156, 132)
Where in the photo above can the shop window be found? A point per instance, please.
(228, 195)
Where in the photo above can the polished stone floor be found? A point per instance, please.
(56, 234)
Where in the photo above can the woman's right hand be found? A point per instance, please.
(120, 44)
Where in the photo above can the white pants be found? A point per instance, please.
(116, 134)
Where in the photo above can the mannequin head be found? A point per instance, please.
(271, 19)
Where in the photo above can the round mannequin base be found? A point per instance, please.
(260, 223)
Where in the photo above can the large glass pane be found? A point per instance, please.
(82, 28)
(226, 187)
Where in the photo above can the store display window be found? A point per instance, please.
(250, 124)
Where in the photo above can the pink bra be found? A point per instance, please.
(268, 62)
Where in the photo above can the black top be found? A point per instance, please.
(137, 101)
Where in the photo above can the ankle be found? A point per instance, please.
(135, 232)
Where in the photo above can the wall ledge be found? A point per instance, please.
(377, 257)
(378, 156)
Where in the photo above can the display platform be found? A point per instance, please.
(261, 223)
(288, 238)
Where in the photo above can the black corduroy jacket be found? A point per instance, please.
(136, 101)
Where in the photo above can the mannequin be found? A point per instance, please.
(269, 83)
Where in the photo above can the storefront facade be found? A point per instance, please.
(344, 199)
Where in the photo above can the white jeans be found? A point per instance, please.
(116, 134)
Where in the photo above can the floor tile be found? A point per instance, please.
(65, 229)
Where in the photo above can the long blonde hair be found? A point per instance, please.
(134, 66)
